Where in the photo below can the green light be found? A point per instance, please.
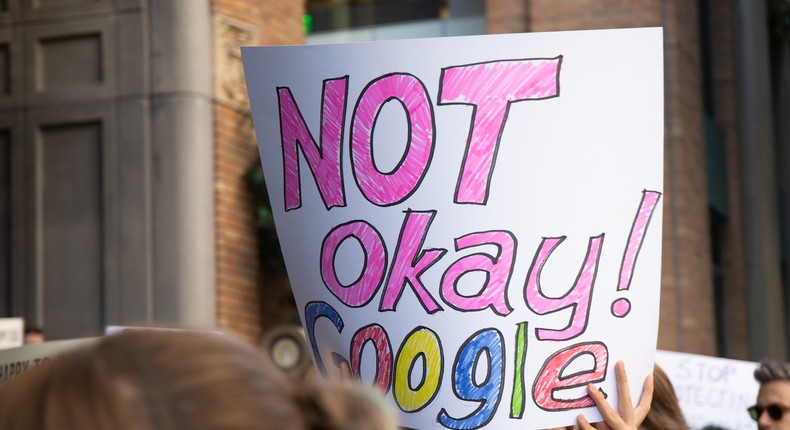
(307, 23)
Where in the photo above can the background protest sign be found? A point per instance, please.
(16, 361)
(472, 223)
(11, 332)
(712, 390)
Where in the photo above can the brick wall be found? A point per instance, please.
(687, 313)
(248, 299)
(551, 15)
(687, 241)
(507, 16)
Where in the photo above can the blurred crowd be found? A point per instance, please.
(143, 379)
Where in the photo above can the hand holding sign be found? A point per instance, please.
(629, 418)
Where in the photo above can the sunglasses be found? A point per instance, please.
(775, 412)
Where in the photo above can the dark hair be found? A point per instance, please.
(770, 370)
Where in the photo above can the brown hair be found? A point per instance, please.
(141, 380)
(665, 412)
(770, 371)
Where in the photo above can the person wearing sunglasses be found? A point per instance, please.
(772, 410)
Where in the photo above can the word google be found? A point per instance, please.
(490, 87)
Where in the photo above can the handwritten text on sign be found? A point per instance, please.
(712, 390)
(430, 266)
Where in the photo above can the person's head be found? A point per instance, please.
(33, 335)
(665, 412)
(141, 380)
(772, 409)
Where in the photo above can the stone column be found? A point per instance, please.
(182, 139)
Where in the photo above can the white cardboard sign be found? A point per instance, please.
(712, 390)
(16, 361)
(472, 223)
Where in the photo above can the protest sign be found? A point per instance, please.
(473, 224)
(16, 361)
(712, 390)
(11, 332)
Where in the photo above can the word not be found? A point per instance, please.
(489, 87)
(486, 348)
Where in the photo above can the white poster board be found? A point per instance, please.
(712, 390)
(12, 332)
(472, 223)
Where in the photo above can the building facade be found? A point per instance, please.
(125, 140)
(124, 136)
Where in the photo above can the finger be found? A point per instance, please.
(582, 423)
(640, 413)
(609, 415)
(624, 403)
(345, 371)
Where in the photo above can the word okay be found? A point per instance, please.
(411, 260)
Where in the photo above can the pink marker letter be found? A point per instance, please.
(363, 288)
(491, 88)
(577, 298)
(410, 261)
(324, 161)
(380, 188)
(498, 269)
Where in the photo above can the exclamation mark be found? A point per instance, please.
(622, 306)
